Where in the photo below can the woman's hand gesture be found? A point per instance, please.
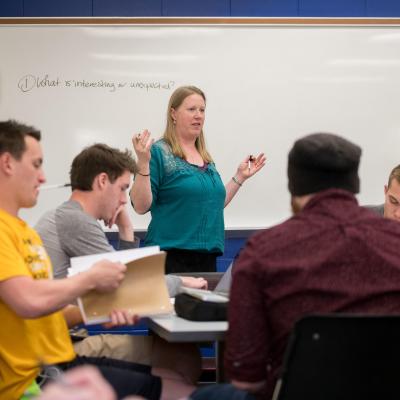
(142, 143)
(250, 166)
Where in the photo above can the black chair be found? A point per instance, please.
(342, 357)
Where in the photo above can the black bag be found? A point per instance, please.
(189, 307)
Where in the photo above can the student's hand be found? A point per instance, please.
(121, 318)
(142, 143)
(255, 164)
(119, 218)
(80, 383)
(123, 222)
(107, 275)
(196, 283)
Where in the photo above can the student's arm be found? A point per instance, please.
(80, 234)
(174, 283)
(33, 298)
(125, 229)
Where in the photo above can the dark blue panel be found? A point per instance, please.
(233, 246)
(114, 243)
(207, 349)
(138, 329)
(383, 8)
(336, 8)
(264, 8)
(127, 8)
(57, 8)
(223, 263)
(196, 8)
(11, 8)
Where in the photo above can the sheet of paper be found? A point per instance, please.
(83, 263)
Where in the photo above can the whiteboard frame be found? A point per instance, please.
(200, 21)
(203, 21)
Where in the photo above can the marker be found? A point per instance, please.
(56, 186)
(251, 159)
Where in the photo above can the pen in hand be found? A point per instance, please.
(251, 159)
(56, 186)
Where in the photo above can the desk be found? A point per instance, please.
(175, 329)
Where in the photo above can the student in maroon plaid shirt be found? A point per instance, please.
(331, 256)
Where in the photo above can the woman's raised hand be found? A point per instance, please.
(142, 143)
(250, 166)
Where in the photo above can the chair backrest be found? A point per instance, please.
(342, 357)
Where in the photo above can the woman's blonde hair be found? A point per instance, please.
(177, 98)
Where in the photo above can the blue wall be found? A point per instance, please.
(232, 248)
(206, 8)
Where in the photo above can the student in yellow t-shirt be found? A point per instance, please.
(23, 257)
(34, 331)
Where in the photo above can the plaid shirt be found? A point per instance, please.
(334, 256)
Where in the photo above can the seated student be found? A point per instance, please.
(34, 330)
(100, 176)
(391, 208)
(331, 256)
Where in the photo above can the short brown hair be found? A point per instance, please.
(394, 174)
(177, 98)
(12, 137)
(96, 159)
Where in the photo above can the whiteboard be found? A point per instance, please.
(266, 85)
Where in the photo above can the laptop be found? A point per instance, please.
(224, 284)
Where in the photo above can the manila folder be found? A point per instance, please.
(143, 292)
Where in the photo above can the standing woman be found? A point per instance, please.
(177, 181)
